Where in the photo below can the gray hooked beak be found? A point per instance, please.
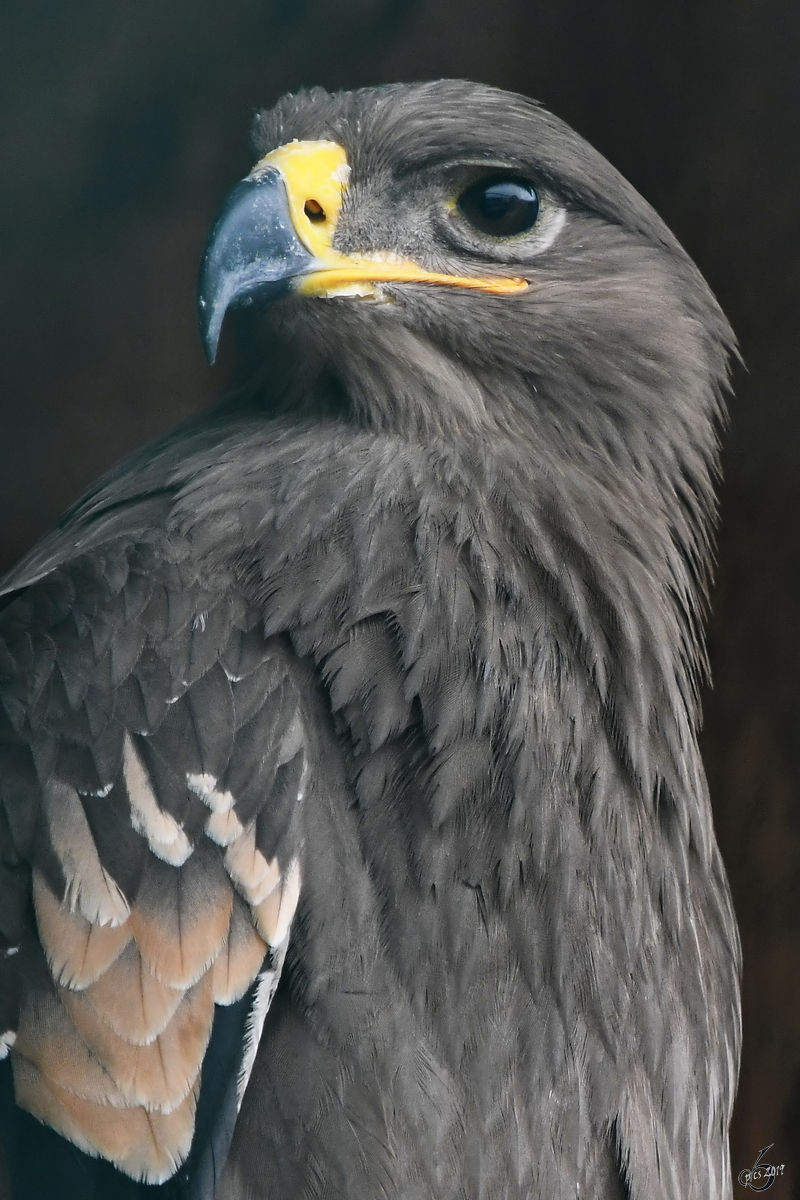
(252, 251)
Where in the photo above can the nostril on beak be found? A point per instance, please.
(314, 210)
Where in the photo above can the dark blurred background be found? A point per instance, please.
(124, 124)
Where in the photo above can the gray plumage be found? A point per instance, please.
(425, 596)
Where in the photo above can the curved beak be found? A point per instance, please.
(252, 251)
(274, 235)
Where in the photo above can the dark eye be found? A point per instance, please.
(503, 205)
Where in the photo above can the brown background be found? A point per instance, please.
(124, 124)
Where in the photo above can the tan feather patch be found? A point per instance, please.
(77, 951)
(161, 1074)
(180, 919)
(164, 835)
(135, 1004)
(250, 870)
(90, 889)
(147, 1146)
(240, 958)
(274, 915)
(224, 827)
(204, 786)
(47, 1038)
(110, 1054)
(33, 1093)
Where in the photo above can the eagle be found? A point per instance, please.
(355, 840)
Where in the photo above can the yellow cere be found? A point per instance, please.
(316, 175)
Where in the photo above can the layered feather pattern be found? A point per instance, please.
(127, 745)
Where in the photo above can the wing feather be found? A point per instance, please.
(154, 759)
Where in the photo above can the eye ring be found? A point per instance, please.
(501, 205)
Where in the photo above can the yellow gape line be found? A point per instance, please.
(316, 175)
